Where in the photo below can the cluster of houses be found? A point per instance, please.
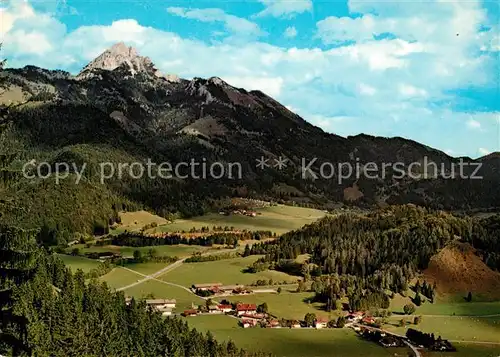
(221, 290)
(242, 212)
(165, 306)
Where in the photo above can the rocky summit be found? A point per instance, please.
(121, 55)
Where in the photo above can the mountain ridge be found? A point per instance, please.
(129, 112)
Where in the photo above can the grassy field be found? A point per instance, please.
(75, 262)
(164, 291)
(289, 305)
(469, 350)
(119, 277)
(278, 219)
(458, 328)
(227, 271)
(134, 221)
(170, 250)
(147, 268)
(292, 342)
(444, 307)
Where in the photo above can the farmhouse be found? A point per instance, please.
(274, 324)
(161, 304)
(214, 309)
(355, 316)
(320, 323)
(245, 309)
(190, 313)
(208, 287)
(295, 324)
(225, 308)
(255, 317)
(246, 323)
(368, 320)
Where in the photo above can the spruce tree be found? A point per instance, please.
(19, 254)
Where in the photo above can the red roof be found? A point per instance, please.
(222, 306)
(190, 312)
(256, 317)
(321, 320)
(246, 307)
(251, 322)
(369, 319)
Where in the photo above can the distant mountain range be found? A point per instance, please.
(120, 108)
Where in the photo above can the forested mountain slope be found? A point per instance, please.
(120, 109)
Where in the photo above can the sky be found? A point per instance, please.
(423, 70)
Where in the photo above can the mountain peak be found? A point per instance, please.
(121, 49)
(121, 55)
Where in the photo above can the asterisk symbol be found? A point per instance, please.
(280, 163)
(262, 163)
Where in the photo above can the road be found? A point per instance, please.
(152, 276)
(168, 268)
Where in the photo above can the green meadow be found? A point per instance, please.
(170, 250)
(226, 271)
(288, 305)
(446, 307)
(292, 342)
(156, 289)
(76, 262)
(277, 219)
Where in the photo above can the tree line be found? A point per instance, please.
(137, 239)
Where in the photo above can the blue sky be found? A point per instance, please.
(429, 70)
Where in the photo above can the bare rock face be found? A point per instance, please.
(121, 55)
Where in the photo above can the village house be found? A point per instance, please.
(368, 320)
(246, 323)
(274, 324)
(256, 317)
(162, 305)
(207, 287)
(214, 309)
(241, 290)
(246, 309)
(355, 316)
(225, 308)
(320, 323)
(187, 313)
(295, 324)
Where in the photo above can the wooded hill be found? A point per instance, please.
(45, 310)
(379, 251)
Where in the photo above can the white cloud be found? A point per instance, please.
(290, 32)
(285, 8)
(483, 151)
(270, 86)
(411, 91)
(365, 89)
(232, 23)
(473, 124)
